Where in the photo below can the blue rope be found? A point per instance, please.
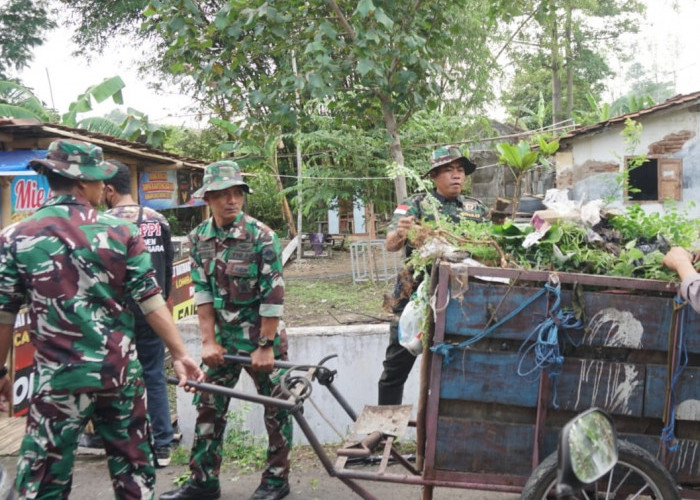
(546, 344)
(667, 434)
(445, 350)
(546, 348)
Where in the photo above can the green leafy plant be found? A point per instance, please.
(241, 447)
(632, 134)
(520, 158)
(631, 244)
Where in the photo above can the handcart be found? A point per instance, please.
(510, 357)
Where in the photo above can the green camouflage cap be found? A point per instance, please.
(447, 154)
(221, 175)
(76, 160)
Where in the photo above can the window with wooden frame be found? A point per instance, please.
(655, 180)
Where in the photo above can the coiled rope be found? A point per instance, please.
(667, 433)
(544, 343)
(545, 339)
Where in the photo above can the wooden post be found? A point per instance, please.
(6, 200)
(369, 221)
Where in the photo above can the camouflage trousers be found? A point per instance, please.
(54, 423)
(205, 458)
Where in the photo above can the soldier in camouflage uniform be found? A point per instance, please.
(449, 169)
(155, 230)
(74, 268)
(239, 292)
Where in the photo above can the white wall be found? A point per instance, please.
(360, 350)
(609, 146)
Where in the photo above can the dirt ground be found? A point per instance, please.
(308, 481)
(348, 301)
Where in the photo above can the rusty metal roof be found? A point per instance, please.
(29, 128)
(675, 101)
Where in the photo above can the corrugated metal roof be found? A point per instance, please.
(32, 128)
(678, 100)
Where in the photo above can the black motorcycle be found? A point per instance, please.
(592, 463)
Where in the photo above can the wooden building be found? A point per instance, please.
(160, 179)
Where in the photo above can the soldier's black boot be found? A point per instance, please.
(191, 491)
(268, 491)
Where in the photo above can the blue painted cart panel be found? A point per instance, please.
(480, 411)
(614, 319)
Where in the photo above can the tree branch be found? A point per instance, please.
(341, 18)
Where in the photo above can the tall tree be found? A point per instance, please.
(569, 40)
(393, 57)
(23, 24)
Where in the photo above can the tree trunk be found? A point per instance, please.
(371, 236)
(556, 66)
(286, 211)
(569, 63)
(395, 145)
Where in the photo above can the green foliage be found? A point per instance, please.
(552, 43)
(520, 158)
(23, 26)
(674, 225)
(202, 144)
(632, 244)
(19, 102)
(241, 448)
(133, 126)
(632, 135)
(116, 18)
(110, 87)
(265, 202)
(367, 63)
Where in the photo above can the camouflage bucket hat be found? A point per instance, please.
(221, 175)
(447, 154)
(76, 160)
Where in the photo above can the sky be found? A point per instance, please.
(667, 43)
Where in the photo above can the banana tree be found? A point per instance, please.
(110, 87)
(131, 127)
(17, 101)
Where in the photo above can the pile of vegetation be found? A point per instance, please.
(626, 244)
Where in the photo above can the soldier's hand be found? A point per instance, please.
(263, 359)
(5, 393)
(404, 224)
(187, 368)
(213, 354)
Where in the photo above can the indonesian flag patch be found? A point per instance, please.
(401, 210)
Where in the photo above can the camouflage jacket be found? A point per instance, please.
(74, 267)
(456, 209)
(238, 269)
(155, 231)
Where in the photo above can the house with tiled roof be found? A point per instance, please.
(593, 160)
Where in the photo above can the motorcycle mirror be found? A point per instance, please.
(587, 450)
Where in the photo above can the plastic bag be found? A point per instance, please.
(409, 325)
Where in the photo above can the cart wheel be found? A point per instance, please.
(637, 474)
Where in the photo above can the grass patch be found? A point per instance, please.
(308, 300)
(241, 448)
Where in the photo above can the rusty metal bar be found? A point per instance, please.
(325, 460)
(225, 391)
(638, 284)
(420, 481)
